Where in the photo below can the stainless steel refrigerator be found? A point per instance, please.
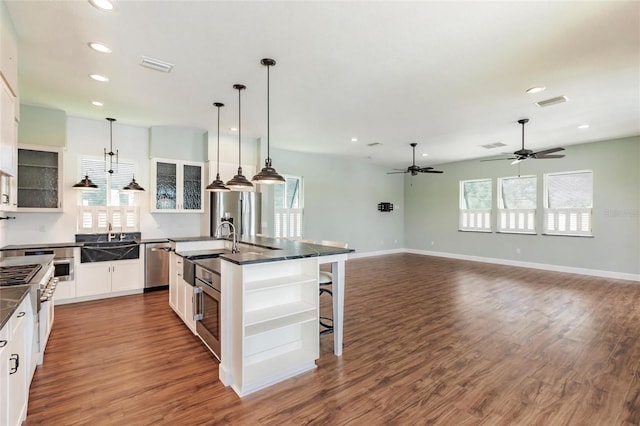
(243, 209)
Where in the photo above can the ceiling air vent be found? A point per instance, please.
(493, 145)
(156, 64)
(374, 144)
(552, 101)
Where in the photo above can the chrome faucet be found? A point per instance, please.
(232, 233)
(110, 235)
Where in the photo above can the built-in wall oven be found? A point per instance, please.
(207, 308)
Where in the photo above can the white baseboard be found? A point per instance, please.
(358, 255)
(543, 266)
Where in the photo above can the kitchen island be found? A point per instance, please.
(268, 306)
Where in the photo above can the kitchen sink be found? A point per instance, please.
(107, 251)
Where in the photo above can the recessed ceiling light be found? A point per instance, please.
(354, 139)
(97, 103)
(583, 126)
(98, 77)
(425, 154)
(535, 89)
(99, 47)
(233, 129)
(102, 4)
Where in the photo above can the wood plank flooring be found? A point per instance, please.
(427, 341)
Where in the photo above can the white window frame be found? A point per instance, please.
(576, 222)
(474, 220)
(288, 221)
(96, 219)
(515, 221)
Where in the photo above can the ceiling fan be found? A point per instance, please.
(413, 169)
(524, 154)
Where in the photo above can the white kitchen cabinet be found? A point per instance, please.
(176, 186)
(109, 278)
(181, 293)
(175, 274)
(8, 131)
(39, 187)
(270, 326)
(14, 373)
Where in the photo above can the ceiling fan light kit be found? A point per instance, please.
(413, 169)
(525, 154)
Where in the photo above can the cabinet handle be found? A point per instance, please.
(3, 343)
(20, 314)
(198, 304)
(16, 359)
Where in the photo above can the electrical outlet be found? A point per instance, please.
(433, 243)
(517, 251)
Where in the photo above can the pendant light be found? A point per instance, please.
(217, 185)
(111, 154)
(239, 182)
(133, 186)
(85, 183)
(268, 174)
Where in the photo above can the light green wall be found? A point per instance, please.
(178, 143)
(341, 198)
(431, 216)
(42, 126)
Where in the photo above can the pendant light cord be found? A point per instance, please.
(218, 155)
(268, 119)
(239, 130)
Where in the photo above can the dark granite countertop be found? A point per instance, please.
(10, 299)
(153, 240)
(36, 246)
(269, 250)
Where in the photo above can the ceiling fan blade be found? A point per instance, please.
(431, 171)
(500, 159)
(549, 151)
(393, 173)
(424, 169)
(518, 160)
(544, 157)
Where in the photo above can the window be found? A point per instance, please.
(569, 203)
(517, 204)
(109, 207)
(109, 192)
(288, 208)
(475, 205)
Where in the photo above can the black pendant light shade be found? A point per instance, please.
(217, 185)
(239, 182)
(268, 175)
(133, 186)
(85, 183)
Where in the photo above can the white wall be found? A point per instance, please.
(431, 217)
(341, 198)
(89, 137)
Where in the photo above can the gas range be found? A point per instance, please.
(18, 274)
(36, 271)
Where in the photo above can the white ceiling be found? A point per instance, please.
(449, 75)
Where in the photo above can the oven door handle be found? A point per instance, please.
(198, 304)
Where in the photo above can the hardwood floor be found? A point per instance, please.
(427, 341)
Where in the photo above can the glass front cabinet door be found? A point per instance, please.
(39, 178)
(177, 186)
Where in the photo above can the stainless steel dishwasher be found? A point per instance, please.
(156, 266)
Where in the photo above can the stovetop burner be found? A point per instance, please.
(18, 275)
